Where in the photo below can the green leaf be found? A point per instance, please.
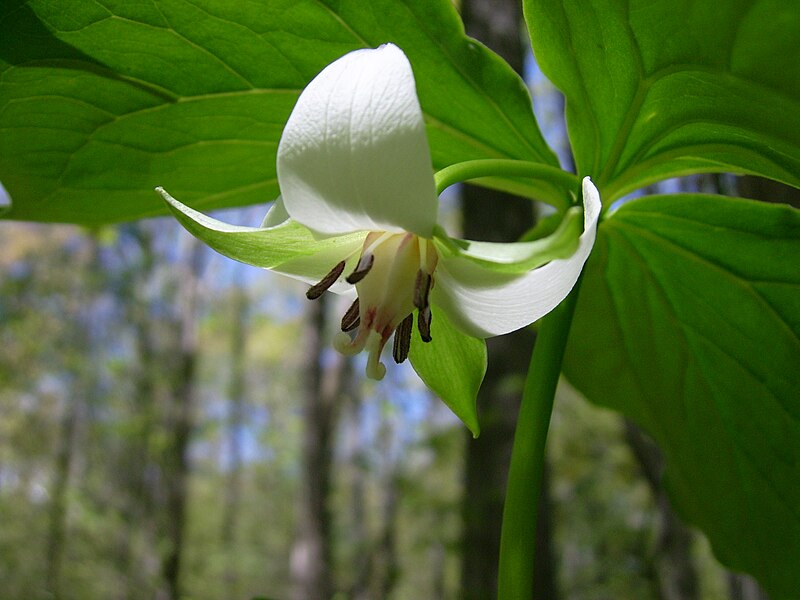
(657, 89)
(100, 102)
(452, 365)
(689, 323)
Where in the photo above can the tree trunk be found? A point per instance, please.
(79, 307)
(180, 418)
(139, 507)
(384, 555)
(359, 533)
(236, 420)
(493, 216)
(310, 562)
(56, 535)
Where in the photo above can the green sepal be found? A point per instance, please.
(289, 247)
(517, 257)
(452, 366)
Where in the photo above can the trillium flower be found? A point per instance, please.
(358, 213)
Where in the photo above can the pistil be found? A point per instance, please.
(393, 278)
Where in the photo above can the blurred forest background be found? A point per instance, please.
(176, 425)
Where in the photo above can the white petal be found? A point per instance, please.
(485, 303)
(354, 155)
(276, 214)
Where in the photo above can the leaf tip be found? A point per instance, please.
(164, 194)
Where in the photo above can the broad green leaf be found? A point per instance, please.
(452, 365)
(661, 88)
(689, 323)
(101, 101)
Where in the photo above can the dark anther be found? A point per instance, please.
(351, 318)
(402, 339)
(316, 290)
(362, 268)
(421, 289)
(424, 323)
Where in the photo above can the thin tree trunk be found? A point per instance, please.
(80, 303)
(180, 419)
(236, 419)
(387, 545)
(359, 533)
(310, 564)
(137, 460)
(493, 216)
(384, 554)
(141, 513)
(437, 562)
(56, 536)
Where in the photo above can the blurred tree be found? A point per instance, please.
(81, 379)
(237, 390)
(183, 350)
(497, 23)
(323, 384)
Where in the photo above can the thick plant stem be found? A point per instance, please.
(518, 537)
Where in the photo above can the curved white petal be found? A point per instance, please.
(354, 155)
(276, 214)
(485, 303)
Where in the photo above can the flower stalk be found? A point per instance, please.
(500, 167)
(520, 512)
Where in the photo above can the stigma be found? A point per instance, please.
(393, 278)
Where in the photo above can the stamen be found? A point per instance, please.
(362, 268)
(422, 287)
(351, 318)
(424, 323)
(316, 290)
(402, 339)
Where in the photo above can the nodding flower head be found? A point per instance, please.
(358, 214)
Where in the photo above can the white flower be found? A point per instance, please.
(358, 215)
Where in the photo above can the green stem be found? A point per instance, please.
(518, 538)
(494, 167)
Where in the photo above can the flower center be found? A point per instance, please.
(393, 277)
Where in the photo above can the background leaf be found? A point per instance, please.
(102, 101)
(657, 89)
(689, 323)
(452, 365)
